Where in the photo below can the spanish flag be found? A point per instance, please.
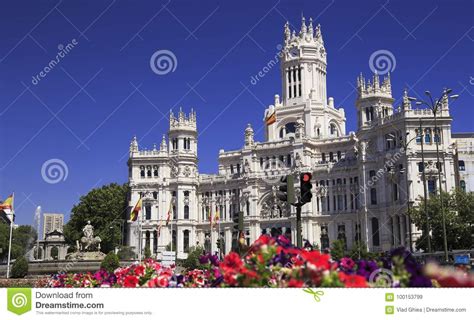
(217, 216)
(170, 209)
(271, 119)
(7, 205)
(136, 210)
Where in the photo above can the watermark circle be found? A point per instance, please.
(382, 62)
(54, 171)
(163, 62)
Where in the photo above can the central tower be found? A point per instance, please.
(303, 65)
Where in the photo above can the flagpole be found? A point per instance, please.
(10, 241)
(140, 234)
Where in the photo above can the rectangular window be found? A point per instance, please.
(432, 186)
(373, 196)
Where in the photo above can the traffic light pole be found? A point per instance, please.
(299, 239)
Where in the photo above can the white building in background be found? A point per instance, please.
(52, 222)
(362, 181)
(465, 160)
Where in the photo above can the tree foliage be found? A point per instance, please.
(23, 239)
(20, 268)
(110, 262)
(458, 208)
(105, 208)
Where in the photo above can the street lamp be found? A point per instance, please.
(402, 171)
(434, 105)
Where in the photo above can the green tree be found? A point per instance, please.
(192, 261)
(23, 239)
(458, 208)
(147, 252)
(110, 262)
(338, 249)
(103, 207)
(20, 268)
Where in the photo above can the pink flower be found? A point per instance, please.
(347, 263)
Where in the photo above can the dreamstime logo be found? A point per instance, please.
(19, 300)
(382, 278)
(382, 62)
(54, 171)
(269, 66)
(163, 62)
(61, 54)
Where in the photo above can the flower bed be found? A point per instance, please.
(274, 262)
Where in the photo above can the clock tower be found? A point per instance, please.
(303, 67)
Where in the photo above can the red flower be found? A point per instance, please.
(130, 282)
(352, 281)
(232, 262)
(139, 270)
(316, 259)
(293, 283)
(230, 278)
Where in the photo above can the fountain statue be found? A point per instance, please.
(88, 248)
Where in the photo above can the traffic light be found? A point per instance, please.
(305, 184)
(238, 221)
(286, 189)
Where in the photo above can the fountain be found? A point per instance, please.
(88, 248)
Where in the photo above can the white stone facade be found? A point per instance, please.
(309, 135)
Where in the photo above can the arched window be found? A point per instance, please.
(186, 212)
(148, 171)
(462, 185)
(155, 171)
(375, 232)
(186, 240)
(461, 165)
(142, 171)
(331, 156)
(333, 130)
(155, 195)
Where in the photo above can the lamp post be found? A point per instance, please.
(405, 144)
(434, 105)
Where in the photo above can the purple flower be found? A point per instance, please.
(204, 259)
(214, 260)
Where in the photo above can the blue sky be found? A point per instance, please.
(219, 46)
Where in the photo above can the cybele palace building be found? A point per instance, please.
(362, 181)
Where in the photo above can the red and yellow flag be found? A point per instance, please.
(271, 119)
(7, 205)
(136, 210)
(209, 216)
(168, 217)
(217, 216)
